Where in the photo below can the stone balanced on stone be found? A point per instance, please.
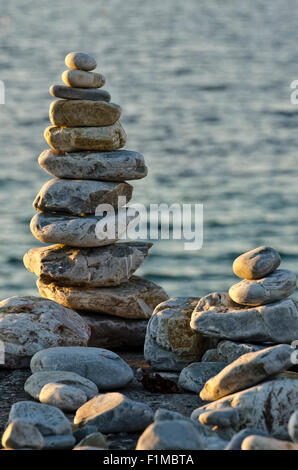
(85, 269)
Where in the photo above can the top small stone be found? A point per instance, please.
(80, 61)
(257, 263)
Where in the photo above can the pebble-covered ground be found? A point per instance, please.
(12, 390)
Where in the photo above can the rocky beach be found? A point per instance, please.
(103, 359)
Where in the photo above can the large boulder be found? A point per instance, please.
(105, 368)
(30, 324)
(216, 315)
(170, 344)
(266, 407)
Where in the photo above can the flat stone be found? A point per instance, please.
(21, 435)
(80, 197)
(49, 420)
(267, 406)
(248, 370)
(71, 139)
(171, 435)
(195, 375)
(29, 324)
(119, 165)
(113, 413)
(82, 79)
(170, 343)
(97, 267)
(134, 299)
(216, 315)
(238, 438)
(76, 113)
(82, 232)
(229, 351)
(293, 426)
(223, 418)
(115, 333)
(257, 263)
(38, 380)
(80, 61)
(69, 93)
(96, 439)
(62, 396)
(276, 286)
(105, 368)
(266, 443)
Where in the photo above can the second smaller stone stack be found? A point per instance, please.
(86, 270)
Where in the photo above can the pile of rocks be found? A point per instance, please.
(246, 372)
(86, 270)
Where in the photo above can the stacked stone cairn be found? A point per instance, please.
(237, 351)
(85, 269)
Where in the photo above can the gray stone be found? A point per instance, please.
(96, 267)
(223, 418)
(29, 324)
(177, 434)
(115, 332)
(238, 438)
(119, 165)
(76, 113)
(248, 370)
(49, 420)
(80, 61)
(105, 368)
(81, 232)
(170, 343)
(134, 299)
(267, 406)
(229, 351)
(21, 435)
(256, 263)
(66, 442)
(83, 79)
(216, 315)
(276, 286)
(83, 432)
(210, 356)
(266, 443)
(293, 426)
(194, 376)
(113, 413)
(96, 439)
(69, 93)
(65, 397)
(72, 139)
(163, 414)
(80, 197)
(38, 380)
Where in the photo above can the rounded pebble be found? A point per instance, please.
(80, 61)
